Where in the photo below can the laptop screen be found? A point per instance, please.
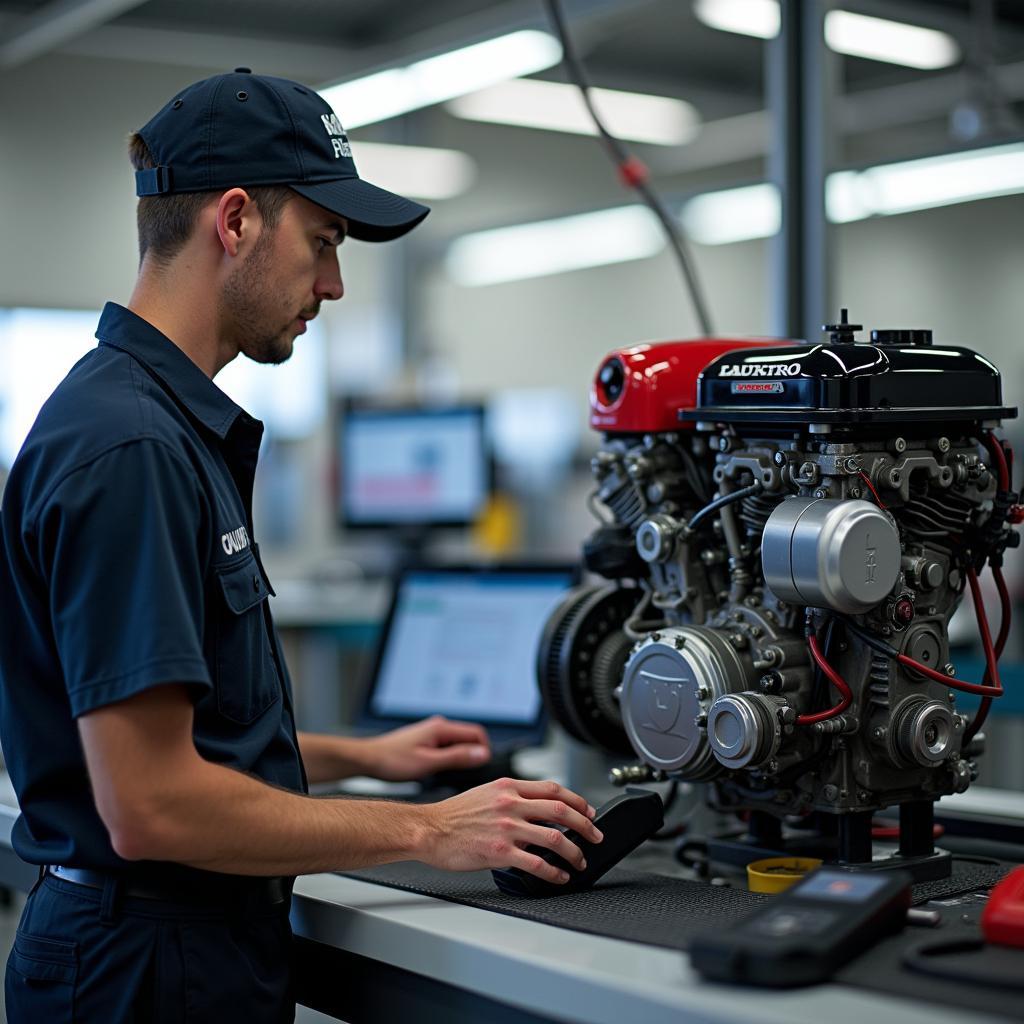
(463, 643)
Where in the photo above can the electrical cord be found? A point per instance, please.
(871, 488)
(720, 501)
(632, 171)
(995, 689)
(845, 693)
(995, 449)
(1005, 606)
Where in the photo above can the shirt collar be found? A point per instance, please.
(125, 330)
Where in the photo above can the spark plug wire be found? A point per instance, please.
(845, 693)
(983, 689)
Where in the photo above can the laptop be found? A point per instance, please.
(461, 641)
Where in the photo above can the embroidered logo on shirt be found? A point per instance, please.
(235, 540)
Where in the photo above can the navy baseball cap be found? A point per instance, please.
(242, 129)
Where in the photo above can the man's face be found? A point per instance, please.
(292, 268)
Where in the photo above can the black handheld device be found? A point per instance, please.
(626, 821)
(804, 935)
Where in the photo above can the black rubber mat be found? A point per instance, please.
(636, 906)
(631, 905)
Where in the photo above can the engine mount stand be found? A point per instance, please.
(851, 846)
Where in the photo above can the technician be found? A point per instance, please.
(145, 708)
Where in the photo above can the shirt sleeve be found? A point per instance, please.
(122, 548)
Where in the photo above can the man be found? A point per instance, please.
(145, 707)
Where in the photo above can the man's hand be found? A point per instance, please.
(488, 827)
(436, 744)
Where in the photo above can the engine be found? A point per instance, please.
(786, 530)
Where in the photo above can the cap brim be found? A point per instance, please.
(373, 214)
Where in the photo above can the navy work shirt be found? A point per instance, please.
(127, 562)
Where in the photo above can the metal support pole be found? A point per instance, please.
(800, 84)
(855, 837)
(917, 821)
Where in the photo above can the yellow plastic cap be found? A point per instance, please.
(776, 874)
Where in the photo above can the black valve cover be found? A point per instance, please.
(849, 383)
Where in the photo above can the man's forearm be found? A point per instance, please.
(221, 820)
(328, 758)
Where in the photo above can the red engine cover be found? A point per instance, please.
(641, 389)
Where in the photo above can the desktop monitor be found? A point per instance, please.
(413, 467)
(462, 642)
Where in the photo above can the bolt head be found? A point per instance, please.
(894, 477)
(779, 459)
(943, 444)
(903, 611)
(900, 444)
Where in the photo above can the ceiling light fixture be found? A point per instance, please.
(733, 215)
(554, 246)
(395, 91)
(421, 172)
(893, 42)
(856, 35)
(925, 184)
(555, 106)
(758, 18)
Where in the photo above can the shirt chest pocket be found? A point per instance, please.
(247, 682)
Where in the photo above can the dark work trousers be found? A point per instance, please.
(90, 956)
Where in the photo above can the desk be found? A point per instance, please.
(374, 953)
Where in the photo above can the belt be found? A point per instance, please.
(217, 889)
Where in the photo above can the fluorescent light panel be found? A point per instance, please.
(729, 215)
(758, 18)
(554, 246)
(555, 106)
(924, 184)
(733, 215)
(396, 91)
(893, 42)
(855, 35)
(417, 171)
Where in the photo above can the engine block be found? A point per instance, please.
(786, 531)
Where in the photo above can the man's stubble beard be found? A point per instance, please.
(246, 308)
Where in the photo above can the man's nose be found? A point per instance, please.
(328, 283)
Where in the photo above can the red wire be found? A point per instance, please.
(995, 449)
(1006, 608)
(992, 670)
(871, 488)
(834, 678)
(893, 832)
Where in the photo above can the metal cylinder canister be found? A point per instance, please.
(830, 553)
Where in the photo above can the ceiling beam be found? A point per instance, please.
(322, 63)
(54, 24)
(211, 51)
(747, 136)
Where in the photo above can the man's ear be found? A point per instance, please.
(237, 220)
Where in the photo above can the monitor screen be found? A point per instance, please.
(464, 644)
(415, 467)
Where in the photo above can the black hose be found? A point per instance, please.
(623, 160)
(722, 500)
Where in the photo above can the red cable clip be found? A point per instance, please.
(633, 172)
(1016, 514)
